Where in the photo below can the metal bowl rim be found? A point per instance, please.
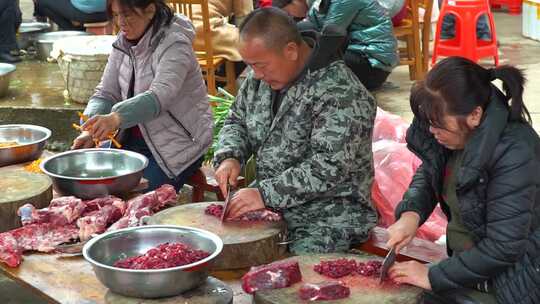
(51, 37)
(10, 68)
(48, 134)
(216, 239)
(131, 153)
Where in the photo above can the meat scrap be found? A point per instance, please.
(97, 221)
(276, 275)
(342, 267)
(145, 204)
(166, 255)
(61, 211)
(34, 237)
(324, 291)
(262, 215)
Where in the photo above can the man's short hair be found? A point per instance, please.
(274, 26)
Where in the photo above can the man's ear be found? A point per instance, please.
(291, 51)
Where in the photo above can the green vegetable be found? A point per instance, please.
(220, 110)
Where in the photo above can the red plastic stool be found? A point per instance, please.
(465, 43)
(514, 6)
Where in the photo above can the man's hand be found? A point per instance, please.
(228, 171)
(83, 141)
(412, 273)
(101, 127)
(403, 231)
(244, 200)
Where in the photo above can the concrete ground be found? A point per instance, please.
(514, 49)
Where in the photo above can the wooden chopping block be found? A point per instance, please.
(212, 292)
(244, 244)
(364, 290)
(19, 187)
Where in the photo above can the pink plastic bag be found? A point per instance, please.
(389, 126)
(395, 166)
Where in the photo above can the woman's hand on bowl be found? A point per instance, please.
(83, 141)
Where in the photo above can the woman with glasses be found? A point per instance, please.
(480, 161)
(153, 91)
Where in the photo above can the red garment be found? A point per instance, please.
(265, 3)
(136, 132)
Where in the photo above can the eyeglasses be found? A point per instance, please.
(126, 18)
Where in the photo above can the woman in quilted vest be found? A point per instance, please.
(480, 161)
(153, 91)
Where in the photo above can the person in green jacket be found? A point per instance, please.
(309, 122)
(371, 50)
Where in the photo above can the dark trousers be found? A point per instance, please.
(62, 12)
(153, 173)
(372, 78)
(10, 19)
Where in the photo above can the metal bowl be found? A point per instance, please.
(28, 32)
(104, 250)
(5, 75)
(46, 41)
(31, 141)
(91, 173)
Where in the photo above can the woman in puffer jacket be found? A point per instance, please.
(371, 50)
(480, 161)
(153, 91)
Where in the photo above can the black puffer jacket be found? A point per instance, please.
(498, 191)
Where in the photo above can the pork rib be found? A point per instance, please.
(34, 237)
(61, 211)
(145, 204)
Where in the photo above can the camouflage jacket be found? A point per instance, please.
(313, 158)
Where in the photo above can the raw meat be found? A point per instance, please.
(370, 268)
(10, 252)
(38, 237)
(166, 255)
(342, 267)
(61, 211)
(324, 291)
(145, 204)
(279, 274)
(100, 202)
(337, 268)
(251, 216)
(97, 221)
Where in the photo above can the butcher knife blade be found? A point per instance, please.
(226, 204)
(387, 263)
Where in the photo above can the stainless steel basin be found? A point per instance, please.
(30, 141)
(103, 251)
(91, 173)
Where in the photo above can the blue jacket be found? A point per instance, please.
(90, 6)
(368, 26)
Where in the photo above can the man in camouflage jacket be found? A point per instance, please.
(308, 121)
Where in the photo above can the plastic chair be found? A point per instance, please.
(465, 42)
(514, 6)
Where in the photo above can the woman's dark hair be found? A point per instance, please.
(456, 86)
(164, 13)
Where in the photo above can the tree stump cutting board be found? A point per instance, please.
(212, 292)
(244, 244)
(364, 290)
(18, 187)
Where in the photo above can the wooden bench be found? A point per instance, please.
(418, 249)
